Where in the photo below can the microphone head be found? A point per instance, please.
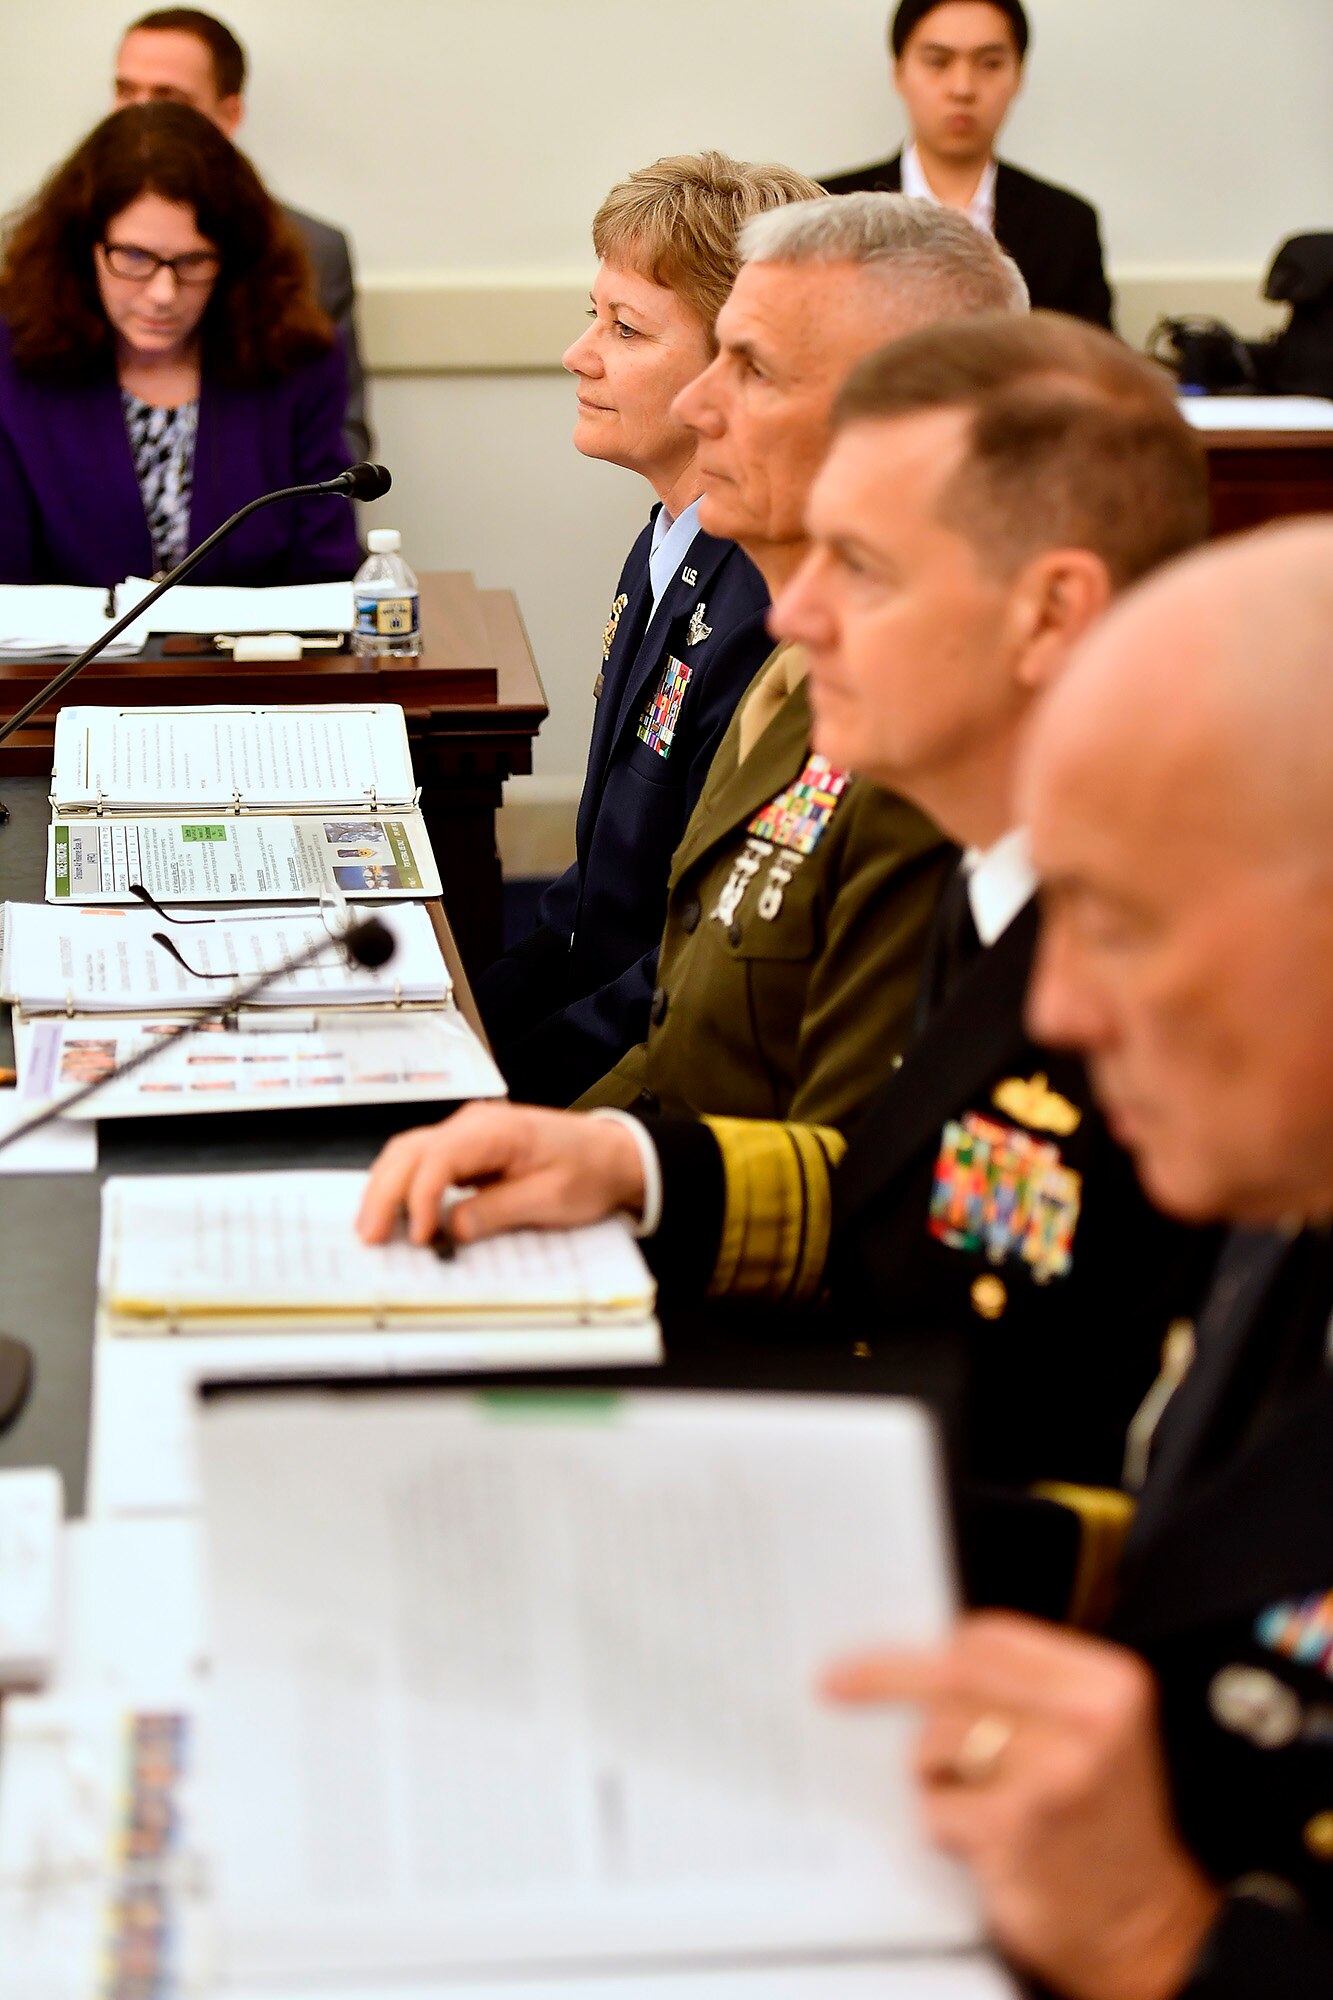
(365, 481)
(370, 943)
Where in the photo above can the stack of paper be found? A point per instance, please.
(528, 1688)
(421, 1055)
(127, 961)
(248, 1253)
(231, 608)
(55, 618)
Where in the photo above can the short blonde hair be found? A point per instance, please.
(677, 223)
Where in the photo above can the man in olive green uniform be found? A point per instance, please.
(800, 898)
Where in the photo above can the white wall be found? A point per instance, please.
(465, 144)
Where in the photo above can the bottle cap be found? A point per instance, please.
(384, 541)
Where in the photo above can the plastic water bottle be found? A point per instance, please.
(388, 608)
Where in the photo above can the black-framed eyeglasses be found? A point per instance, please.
(193, 267)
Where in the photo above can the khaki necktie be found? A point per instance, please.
(781, 677)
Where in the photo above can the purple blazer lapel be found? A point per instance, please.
(98, 449)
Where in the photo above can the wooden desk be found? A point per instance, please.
(474, 703)
(1258, 476)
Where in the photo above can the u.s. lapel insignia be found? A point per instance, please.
(698, 631)
(609, 636)
(999, 1191)
(689, 577)
(1035, 1104)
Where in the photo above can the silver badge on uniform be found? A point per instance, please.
(1253, 1703)
(743, 871)
(698, 631)
(779, 875)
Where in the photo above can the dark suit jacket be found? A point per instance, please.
(70, 510)
(1051, 1370)
(1051, 234)
(572, 997)
(1231, 1554)
(331, 261)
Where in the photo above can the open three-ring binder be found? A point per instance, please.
(236, 803)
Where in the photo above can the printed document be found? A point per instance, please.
(64, 959)
(291, 758)
(416, 1056)
(528, 1681)
(229, 607)
(54, 618)
(245, 1252)
(239, 857)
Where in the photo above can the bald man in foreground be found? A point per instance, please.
(1145, 1831)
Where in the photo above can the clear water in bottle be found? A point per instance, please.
(388, 607)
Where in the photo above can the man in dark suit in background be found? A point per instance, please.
(184, 56)
(958, 66)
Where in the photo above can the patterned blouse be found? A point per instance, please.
(162, 447)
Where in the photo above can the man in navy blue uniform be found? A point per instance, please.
(1153, 1819)
(684, 639)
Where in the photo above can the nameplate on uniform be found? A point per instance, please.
(657, 724)
(798, 817)
(1001, 1192)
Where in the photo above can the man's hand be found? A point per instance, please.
(549, 1169)
(1039, 1765)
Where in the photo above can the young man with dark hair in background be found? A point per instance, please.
(958, 66)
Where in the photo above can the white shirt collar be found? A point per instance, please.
(1000, 882)
(980, 210)
(671, 542)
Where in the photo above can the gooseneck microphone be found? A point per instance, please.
(369, 943)
(360, 482)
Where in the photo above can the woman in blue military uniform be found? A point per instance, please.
(683, 641)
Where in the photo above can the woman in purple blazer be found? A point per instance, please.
(162, 361)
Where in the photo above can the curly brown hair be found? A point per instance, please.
(262, 320)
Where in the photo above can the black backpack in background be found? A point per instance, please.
(1299, 360)
(1209, 355)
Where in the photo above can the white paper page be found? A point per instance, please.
(99, 960)
(544, 1675)
(227, 607)
(294, 756)
(61, 618)
(143, 1450)
(1258, 413)
(241, 857)
(960, 1976)
(412, 1057)
(251, 1246)
(59, 1148)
